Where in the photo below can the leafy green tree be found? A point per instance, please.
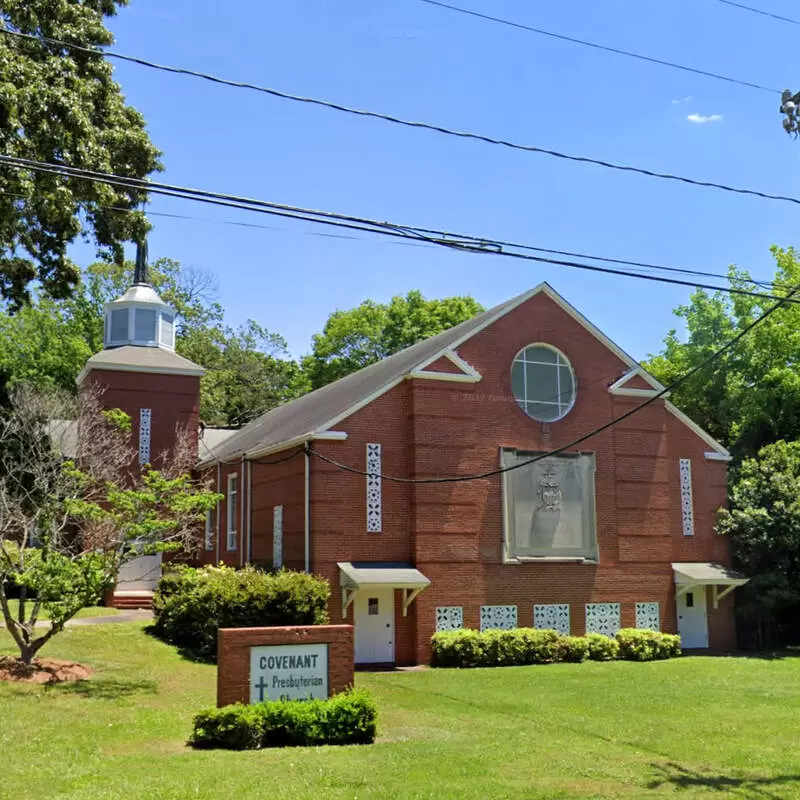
(363, 335)
(763, 525)
(123, 513)
(47, 343)
(751, 396)
(61, 106)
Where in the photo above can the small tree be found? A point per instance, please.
(763, 525)
(67, 526)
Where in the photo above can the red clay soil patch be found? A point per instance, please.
(43, 670)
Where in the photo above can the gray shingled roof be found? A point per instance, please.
(145, 359)
(310, 412)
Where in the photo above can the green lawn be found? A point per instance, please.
(91, 611)
(723, 727)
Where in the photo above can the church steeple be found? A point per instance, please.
(140, 317)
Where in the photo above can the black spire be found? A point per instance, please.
(140, 273)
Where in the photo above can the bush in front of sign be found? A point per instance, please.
(346, 718)
(644, 645)
(572, 649)
(190, 605)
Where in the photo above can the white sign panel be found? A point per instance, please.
(289, 672)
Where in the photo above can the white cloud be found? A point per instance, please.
(701, 119)
(682, 100)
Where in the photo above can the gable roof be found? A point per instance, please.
(314, 414)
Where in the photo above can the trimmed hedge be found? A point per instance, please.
(346, 718)
(641, 645)
(190, 605)
(520, 646)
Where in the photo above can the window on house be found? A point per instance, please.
(168, 330)
(233, 491)
(145, 325)
(209, 533)
(372, 606)
(550, 507)
(543, 382)
(119, 325)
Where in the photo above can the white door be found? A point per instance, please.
(374, 623)
(692, 618)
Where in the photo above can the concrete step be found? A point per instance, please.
(132, 600)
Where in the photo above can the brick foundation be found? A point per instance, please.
(233, 656)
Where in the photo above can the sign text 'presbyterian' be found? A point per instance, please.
(289, 672)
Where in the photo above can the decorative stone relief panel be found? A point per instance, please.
(498, 618)
(552, 617)
(277, 537)
(648, 616)
(449, 618)
(602, 618)
(686, 497)
(374, 502)
(145, 419)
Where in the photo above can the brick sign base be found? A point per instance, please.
(233, 656)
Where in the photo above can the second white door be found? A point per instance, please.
(693, 618)
(374, 626)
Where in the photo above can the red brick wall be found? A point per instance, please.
(233, 656)
(173, 399)
(454, 532)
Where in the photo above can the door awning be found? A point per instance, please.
(387, 574)
(706, 573)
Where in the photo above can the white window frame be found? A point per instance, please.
(561, 361)
(231, 501)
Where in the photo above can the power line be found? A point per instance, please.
(575, 442)
(412, 124)
(760, 11)
(465, 243)
(596, 46)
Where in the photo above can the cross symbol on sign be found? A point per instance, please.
(261, 685)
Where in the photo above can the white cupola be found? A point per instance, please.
(140, 317)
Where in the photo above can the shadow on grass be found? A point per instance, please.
(104, 688)
(763, 655)
(683, 778)
(186, 653)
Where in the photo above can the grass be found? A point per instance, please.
(90, 611)
(721, 727)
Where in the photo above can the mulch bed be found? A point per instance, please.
(43, 670)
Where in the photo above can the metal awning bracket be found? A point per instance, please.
(409, 595)
(348, 595)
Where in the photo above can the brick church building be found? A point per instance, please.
(362, 481)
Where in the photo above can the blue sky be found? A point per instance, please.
(420, 62)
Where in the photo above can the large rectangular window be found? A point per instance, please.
(233, 492)
(208, 540)
(550, 510)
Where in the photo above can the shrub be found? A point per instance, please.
(190, 605)
(346, 718)
(602, 648)
(572, 649)
(645, 645)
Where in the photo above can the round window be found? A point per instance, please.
(543, 382)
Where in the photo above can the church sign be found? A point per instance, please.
(301, 662)
(289, 672)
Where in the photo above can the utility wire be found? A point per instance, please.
(465, 243)
(575, 442)
(596, 46)
(410, 123)
(760, 11)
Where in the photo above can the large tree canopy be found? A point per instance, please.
(363, 335)
(62, 106)
(751, 396)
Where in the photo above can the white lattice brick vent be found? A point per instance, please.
(498, 618)
(686, 497)
(449, 618)
(602, 618)
(145, 420)
(648, 616)
(277, 537)
(554, 616)
(374, 510)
